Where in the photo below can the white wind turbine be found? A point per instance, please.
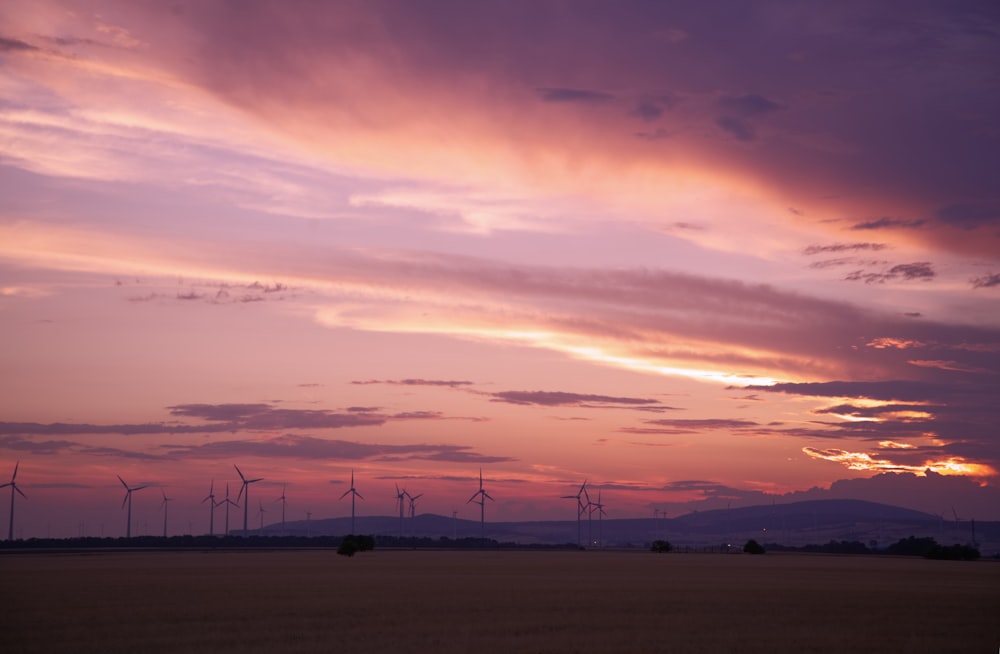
(245, 489)
(211, 508)
(128, 499)
(261, 512)
(483, 496)
(353, 492)
(13, 489)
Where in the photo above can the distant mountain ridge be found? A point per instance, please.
(795, 523)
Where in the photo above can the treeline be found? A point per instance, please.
(911, 546)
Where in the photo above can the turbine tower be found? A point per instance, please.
(13, 488)
(128, 500)
(163, 506)
(401, 496)
(261, 512)
(353, 492)
(245, 489)
(597, 506)
(211, 508)
(580, 506)
(282, 500)
(228, 502)
(483, 496)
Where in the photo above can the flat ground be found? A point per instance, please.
(510, 601)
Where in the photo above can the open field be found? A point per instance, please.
(497, 601)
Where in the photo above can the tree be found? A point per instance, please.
(661, 546)
(753, 547)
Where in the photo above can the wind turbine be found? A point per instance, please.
(580, 506)
(282, 500)
(413, 504)
(163, 506)
(245, 488)
(13, 487)
(401, 496)
(211, 508)
(128, 499)
(353, 492)
(261, 512)
(228, 502)
(483, 496)
(597, 506)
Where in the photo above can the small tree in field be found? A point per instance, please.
(753, 547)
(661, 546)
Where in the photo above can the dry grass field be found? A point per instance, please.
(509, 601)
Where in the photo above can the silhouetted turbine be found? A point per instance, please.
(211, 508)
(353, 492)
(245, 488)
(164, 507)
(128, 499)
(580, 506)
(597, 506)
(13, 488)
(228, 502)
(413, 504)
(282, 500)
(483, 496)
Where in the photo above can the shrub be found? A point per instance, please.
(661, 546)
(953, 553)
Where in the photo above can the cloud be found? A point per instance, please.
(689, 426)
(738, 128)
(310, 447)
(843, 247)
(221, 418)
(889, 223)
(15, 45)
(583, 96)
(560, 398)
(747, 106)
(920, 270)
(70, 448)
(986, 281)
(450, 383)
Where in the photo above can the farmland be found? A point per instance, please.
(493, 601)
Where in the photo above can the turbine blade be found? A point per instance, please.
(14, 476)
(359, 495)
(239, 472)
(346, 493)
(20, 492)
(123, 482)
(126, 498)
(485, 494)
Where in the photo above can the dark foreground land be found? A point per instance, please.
(511, 601)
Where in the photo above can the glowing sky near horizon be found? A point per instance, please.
(697, 255)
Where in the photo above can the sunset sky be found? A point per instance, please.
(699, 254)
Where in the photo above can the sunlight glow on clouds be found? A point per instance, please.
(221, 205)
